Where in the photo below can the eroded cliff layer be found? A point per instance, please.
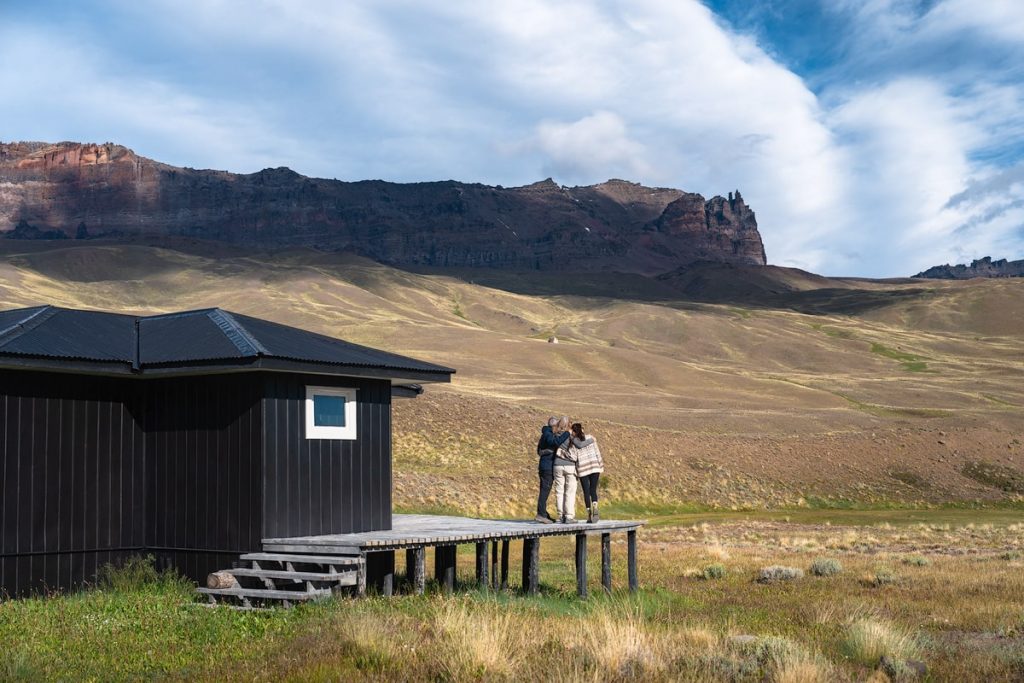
(50, 191)
(983, 267)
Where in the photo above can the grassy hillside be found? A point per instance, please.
(725, 387)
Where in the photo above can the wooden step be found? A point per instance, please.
(347, 578)
(266, 594)
(305, 559)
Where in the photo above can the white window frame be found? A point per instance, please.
(348, 432)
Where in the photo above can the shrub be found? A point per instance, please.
(1011, 555)
(134, 573)
(868, 640)
(826, 567)
(782, 661)
(917, 561)
(714, 571)
(881, 577)
(779, 573)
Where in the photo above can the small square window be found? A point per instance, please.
(330, 413)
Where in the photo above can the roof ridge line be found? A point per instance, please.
(178, 314)
(28, 324)
(236, 333)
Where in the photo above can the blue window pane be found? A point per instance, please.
(328, 411)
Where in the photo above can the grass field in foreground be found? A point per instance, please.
(948, 595)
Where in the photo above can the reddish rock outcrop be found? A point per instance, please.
(109, 191)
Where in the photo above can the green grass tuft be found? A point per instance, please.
(826, 567)
(910, 361)
(714, 571)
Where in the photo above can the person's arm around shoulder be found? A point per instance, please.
(583, 443)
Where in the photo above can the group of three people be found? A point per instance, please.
(566, 453)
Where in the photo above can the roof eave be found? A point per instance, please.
(395, 375)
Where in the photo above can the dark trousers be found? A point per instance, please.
(589, 484)
(547, 477)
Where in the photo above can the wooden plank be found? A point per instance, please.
(351, 550)
(266, 594)
(344, 579)
(581, 565)
(634, 581)
(606, 562)
(304, 559)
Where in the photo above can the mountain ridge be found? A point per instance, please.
(983, 267)
(87, 190)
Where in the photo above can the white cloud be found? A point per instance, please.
(855, 179)
(598, 143)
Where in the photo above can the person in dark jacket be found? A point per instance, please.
(546, 449)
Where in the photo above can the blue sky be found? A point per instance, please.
(872, 137)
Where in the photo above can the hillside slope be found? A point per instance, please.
(914, 396)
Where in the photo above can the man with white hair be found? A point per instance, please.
(546, 449)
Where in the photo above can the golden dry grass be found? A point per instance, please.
(741, 405)
(962, 615)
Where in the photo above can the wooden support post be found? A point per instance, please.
(361, 577)
(606, 562)
(634, 582)
(445, 566)
(581, 565)
(494, 565)
(380, 571)
(504, 565)
(481, 565)
(531, 566)
(410, 566)
(420, 570)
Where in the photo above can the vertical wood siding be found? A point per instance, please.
(325, 486)
(192, 470)
(203, 445)
(72, 475)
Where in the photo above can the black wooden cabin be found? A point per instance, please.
(189, 436)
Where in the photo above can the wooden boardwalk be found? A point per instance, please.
(415, 533)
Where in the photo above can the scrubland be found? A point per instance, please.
(959, 613)
(863, 438)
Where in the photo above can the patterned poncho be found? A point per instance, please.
(588, 456)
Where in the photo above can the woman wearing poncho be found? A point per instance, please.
(589, 466)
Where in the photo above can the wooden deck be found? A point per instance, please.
(410, 531)
(415, 533)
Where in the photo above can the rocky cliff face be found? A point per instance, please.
(86, 190)
(984, 267)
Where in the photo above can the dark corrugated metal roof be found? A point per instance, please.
(183, 337)
(183, 340)
(67, 333)
(282, 341)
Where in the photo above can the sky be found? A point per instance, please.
(871, 137)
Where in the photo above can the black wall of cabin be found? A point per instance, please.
(194, 471)
(322, 486)
(203, 447)
(72, 478)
